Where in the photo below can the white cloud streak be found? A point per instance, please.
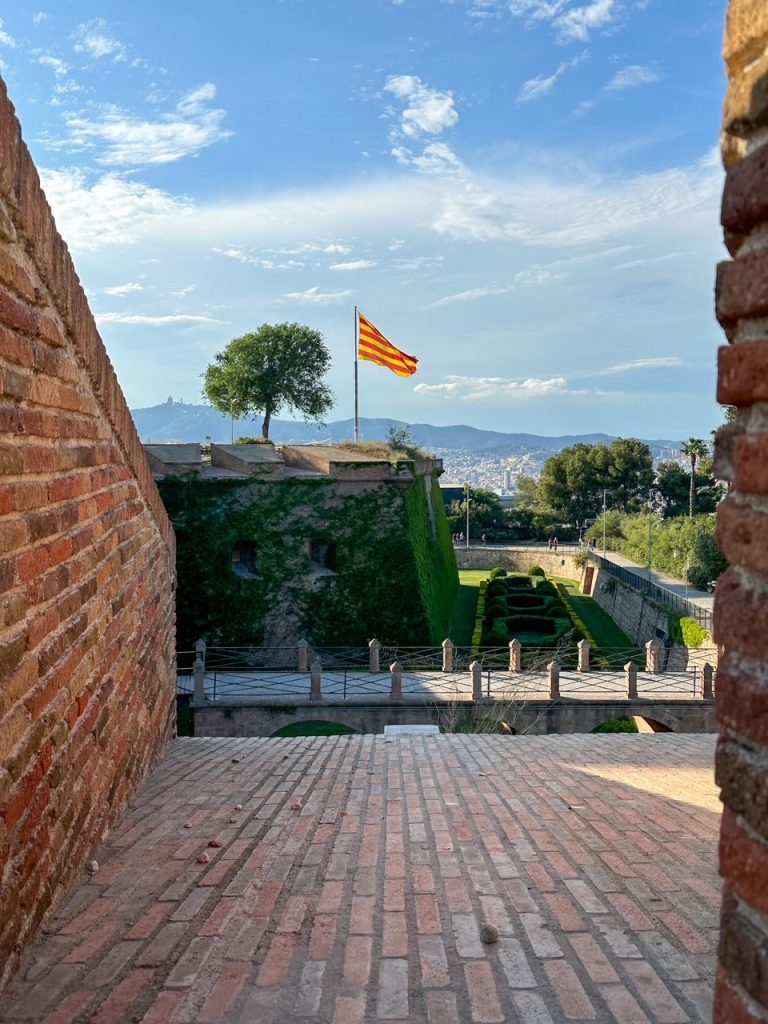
(316, 296)
(142, 320)
(124, 140)
(124, 289)
(540, 86)
(631, 77)
(354, 265)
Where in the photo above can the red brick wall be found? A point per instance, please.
(741, 606)
(86, 570)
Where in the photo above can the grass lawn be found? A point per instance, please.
(465, 605)
(614, 644)
(314, 729)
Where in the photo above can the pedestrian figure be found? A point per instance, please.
(554, 543)
(483, 538)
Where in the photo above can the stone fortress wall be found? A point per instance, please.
(87, 681)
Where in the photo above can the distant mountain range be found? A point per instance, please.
(177, 421)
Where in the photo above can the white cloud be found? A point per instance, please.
(317, 297)
(5, 38)
(235, 252)
(476, 389)
(125, 289)
(579, 22)
(570, 22)
(534, 276)
(539, 86)
(59, 67)
(353, 265)
(649, 260)
(429, 111)
(141, 320)
(128, 140)
(40, 17)
(436, 158)
(111, 211)
(631, 77)
(96, 39)
(652, 363)
(342, 250)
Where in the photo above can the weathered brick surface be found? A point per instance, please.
(593, 856)
(86, 570)
(743, 373)
(741, 626)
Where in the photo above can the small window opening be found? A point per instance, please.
(245, 560)
(322, 554)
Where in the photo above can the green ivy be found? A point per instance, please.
(393, 579)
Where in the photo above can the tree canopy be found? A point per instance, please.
(277, 366)
(572, 481)
(694, 449)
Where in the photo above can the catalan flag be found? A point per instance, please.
(374, 347)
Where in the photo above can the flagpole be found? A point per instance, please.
(357, 415)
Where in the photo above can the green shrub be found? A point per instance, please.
(518, 582)
(496, 588)
(536, 570)
(529, 623)
(496, 638)
(496, 608)
(496, 573)
(687, 631)
(477, 632)
(546, 587)
(618, 725)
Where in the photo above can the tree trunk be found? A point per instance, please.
(692, 494)
(265, 424)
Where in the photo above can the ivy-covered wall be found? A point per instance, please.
(393, 571)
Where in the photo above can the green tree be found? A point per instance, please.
(485, 512)
(278, 366)
(693, 449)
(572, 482)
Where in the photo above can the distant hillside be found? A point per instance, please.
(176, 421)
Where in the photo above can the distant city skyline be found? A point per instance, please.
(522, 193)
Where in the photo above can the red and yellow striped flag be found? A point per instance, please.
(375, 348)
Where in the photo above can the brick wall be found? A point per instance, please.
(86, 571)
(741, 606)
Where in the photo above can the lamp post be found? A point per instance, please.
(650, 534)
(605, 493)
(466, 488)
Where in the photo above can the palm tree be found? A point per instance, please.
(694, 449)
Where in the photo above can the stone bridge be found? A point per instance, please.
(532, 716)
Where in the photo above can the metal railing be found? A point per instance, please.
(658, 593)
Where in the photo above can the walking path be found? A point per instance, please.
(350, 880)
(678, 587)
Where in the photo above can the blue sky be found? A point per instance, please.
(522, 193)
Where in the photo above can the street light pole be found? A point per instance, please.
(604, 510)
(650, 536)
(467, 514)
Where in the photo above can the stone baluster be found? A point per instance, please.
(652, 657)
(374, 653)
(583, 647)
(553, 670)
(396, 671)
(476, 669)
(515, 658)
(630, 670)
(303, 652)
(448, 648)
(707, 678)
(200, 648)
(198, 673)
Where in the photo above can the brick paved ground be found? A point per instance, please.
(348, 878)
